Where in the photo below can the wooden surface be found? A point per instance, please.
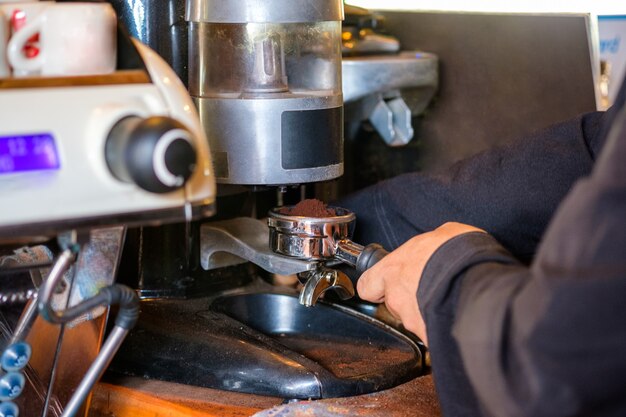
(120, 401)
(135, 397)
(118, 77)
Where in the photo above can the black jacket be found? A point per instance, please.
(508, 338)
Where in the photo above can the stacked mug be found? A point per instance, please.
(13, 360)
(45, 38)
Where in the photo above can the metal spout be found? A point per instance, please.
(319, 281)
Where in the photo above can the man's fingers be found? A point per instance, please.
(395, 279)
(371, 287)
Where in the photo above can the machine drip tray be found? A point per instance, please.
(267, 344)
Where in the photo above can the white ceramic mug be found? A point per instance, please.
(74, 39)
(16, 15)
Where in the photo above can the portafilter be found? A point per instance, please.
(321, 238)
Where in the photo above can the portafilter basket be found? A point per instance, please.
(321, 238)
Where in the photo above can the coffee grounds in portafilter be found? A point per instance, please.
(309, 208)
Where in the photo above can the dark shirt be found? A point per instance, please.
(511, 191)
(508, 339)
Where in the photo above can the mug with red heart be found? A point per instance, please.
(66, 39)
(14, 15)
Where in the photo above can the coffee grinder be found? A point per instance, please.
(266, 79)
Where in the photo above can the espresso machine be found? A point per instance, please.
(81, 159)
(266, 80)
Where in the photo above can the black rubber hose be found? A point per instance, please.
(122, 295)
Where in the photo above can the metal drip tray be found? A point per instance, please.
(268, 344)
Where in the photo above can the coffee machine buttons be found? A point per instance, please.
(155, 153)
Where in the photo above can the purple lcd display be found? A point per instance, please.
(34, 152)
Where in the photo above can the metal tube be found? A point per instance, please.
(57, 355)
(26, 321)
(46, 291)
(53, 373)
(110, 347)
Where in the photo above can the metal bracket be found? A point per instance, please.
(392, 120)
(246, 238)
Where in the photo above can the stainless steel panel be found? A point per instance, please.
(245, 135)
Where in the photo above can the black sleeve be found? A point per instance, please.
(549, 340)
(511, 191)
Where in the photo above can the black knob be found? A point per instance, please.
(370, 255)
(155, 153)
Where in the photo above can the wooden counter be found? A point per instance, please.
(135, 397)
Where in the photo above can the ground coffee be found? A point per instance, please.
(309, 208)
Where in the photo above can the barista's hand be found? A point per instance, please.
(395, 279)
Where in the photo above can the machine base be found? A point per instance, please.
(266, 343)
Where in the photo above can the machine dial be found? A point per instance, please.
(155, 153)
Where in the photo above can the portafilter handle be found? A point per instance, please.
(359, 257)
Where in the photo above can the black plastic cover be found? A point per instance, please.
(267, 344)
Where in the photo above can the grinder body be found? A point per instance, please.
(267, 83)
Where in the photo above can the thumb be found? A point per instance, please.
(371, 287)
